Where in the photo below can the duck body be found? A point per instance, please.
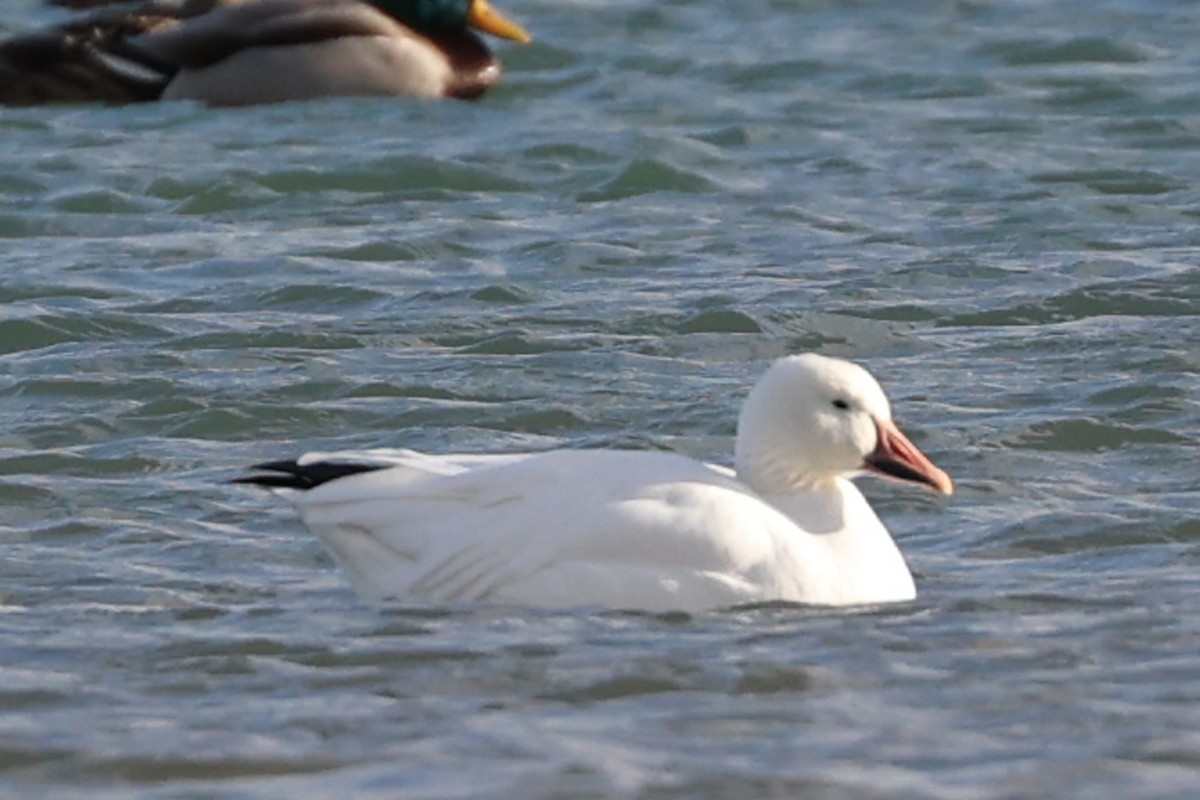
(598, 528)
(240, 52)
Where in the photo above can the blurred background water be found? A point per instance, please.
(992, 204)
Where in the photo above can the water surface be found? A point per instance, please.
(992, 205)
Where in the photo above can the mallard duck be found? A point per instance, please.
(240, 52)
(631, 529)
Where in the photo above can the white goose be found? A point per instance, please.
(630, 529)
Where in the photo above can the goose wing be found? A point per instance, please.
(565, 528)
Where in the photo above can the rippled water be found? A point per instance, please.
(991, 204)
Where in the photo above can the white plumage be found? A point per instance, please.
(630, 529)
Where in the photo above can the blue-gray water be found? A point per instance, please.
(992, 204)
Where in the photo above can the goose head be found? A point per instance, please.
(811, 419)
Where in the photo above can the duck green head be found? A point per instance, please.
(437, 15)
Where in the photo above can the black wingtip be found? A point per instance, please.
(294, 475)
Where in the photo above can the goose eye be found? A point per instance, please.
(841, 404)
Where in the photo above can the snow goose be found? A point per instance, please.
(631, 529)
